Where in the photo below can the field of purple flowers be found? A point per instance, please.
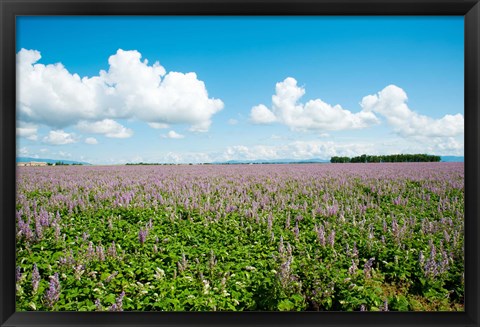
(368, 237)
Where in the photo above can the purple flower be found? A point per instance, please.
(100, 253)
(57, 229)
(331, 238)
(90, 251)
(25, 230)
(53, 293)
(445, 261)
(230, 209)
(281, 248)
(395, 227)
(355, 250)
(38, 228)
(296, 230)
(270, 221)
(112, 276)
(370, 233)
(142, 235)
(118, 305)
(446, 236)
(434, 267)
(433, 250)
(78, 271)
(398, 200)
(113, 307)
(421, 258)
(353, 268)
(112, 250)
(367, 268)
(98, 305)
(35, 278)
(68, 260)
(18, 274)
(43, 218)
(284, 274)
(182, 265)
(385, 306)
(332, 211)
(320, 234)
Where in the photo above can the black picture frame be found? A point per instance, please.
(9, 9)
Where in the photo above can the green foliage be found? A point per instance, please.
(196, 259)
(387, 158)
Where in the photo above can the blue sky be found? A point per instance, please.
(227, 88)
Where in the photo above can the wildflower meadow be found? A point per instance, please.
(291, 237)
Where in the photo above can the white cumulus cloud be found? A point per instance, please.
(158, 125)
(435, 145)
(23, 151)
(107, 127)
(27, 130)
(59, 137)
(91, 140)
(63, 154)
(174, 135)
(50, 95)
(314, 115)
(299, 150)
(186, 157)
(391, 102)
(262, 115)
(130, 88)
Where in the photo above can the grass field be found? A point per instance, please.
(339, 237)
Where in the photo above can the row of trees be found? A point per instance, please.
(61, 163)
(151, 164)
(388, 158)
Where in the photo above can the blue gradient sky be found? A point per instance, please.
(240, 60)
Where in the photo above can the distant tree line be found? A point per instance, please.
(145, 164)
(151, 164)
(61, 163)
(388, 158)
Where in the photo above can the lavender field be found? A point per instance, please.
(328, 237)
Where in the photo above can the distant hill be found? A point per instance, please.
(52, 161)
(315, 160)
(451, 159)
(272, 161)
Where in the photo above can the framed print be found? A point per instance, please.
(251, 163)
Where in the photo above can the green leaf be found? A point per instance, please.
(286, 305)
(110, 298)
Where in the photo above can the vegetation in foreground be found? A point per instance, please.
(372, 237)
